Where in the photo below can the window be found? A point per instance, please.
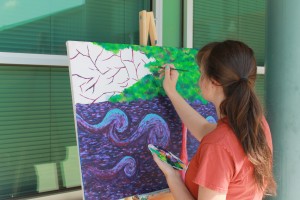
(242, 20)
(37, 134)
(230, 19)
(37, 130)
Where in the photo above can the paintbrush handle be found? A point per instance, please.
(181, 70)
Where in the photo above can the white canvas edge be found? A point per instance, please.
(74, 113)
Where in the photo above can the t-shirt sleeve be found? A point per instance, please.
(216, 168)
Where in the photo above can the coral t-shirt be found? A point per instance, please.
(220, 164)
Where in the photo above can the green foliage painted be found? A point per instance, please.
(150, 86)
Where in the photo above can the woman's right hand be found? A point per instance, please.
(170, 80)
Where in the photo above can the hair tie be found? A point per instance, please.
(243, 79)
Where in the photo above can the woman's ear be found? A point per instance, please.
(214, 82)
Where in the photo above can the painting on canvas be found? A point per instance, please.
(120, 107)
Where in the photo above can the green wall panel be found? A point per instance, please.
(172, 23)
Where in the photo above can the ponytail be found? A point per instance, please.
(245, 116)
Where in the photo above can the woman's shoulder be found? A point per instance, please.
(224, 136)
(219, 135)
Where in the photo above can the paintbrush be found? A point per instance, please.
(181, 70)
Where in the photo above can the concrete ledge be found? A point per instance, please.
(74, 195)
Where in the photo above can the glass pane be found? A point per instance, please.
(219, 20)
(37, 140)
(43, 26)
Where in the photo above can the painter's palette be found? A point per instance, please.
(167, 156)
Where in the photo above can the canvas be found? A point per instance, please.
(120, 107)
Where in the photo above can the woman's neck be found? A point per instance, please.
(217, 102)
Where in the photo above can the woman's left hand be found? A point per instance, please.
(167, 169)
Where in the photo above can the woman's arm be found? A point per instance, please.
(178, 188)
(175, 183)
(196, 123)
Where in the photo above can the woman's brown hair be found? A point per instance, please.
(232, 64)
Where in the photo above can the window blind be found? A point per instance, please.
(36, 127)
(218, 20)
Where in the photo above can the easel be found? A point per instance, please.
(147, 27)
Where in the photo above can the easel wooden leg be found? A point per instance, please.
(147, 27)
(152, 29)
(143, 27)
